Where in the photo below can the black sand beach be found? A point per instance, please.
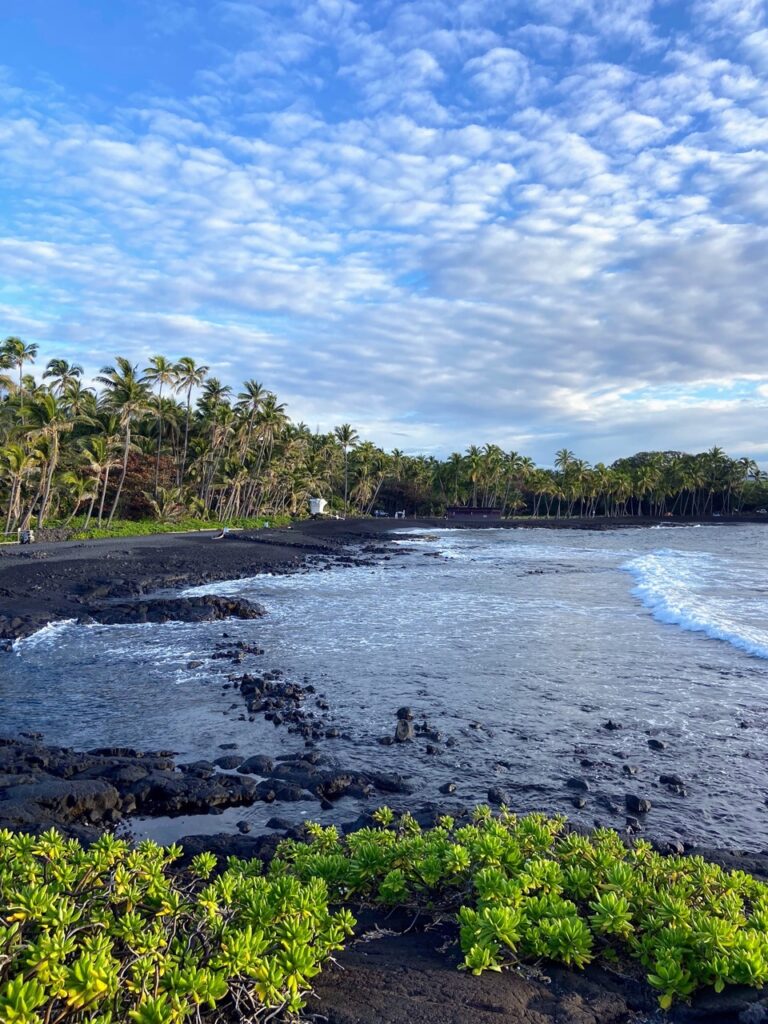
(59, 580)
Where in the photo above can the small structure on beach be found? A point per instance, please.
(317, 506)
(471, 512)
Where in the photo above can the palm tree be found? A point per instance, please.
(216, 410)
(475, 468)
(61, 374)
(127, 393)
(17, 353)
(99, 457)
(456, 465)
(348, 438)
(79, 401)
(19, 464)
(270, 423)
(6, 382)
(161, 371)
(187, 376)
(48, 420)
(250, 401)
(79, 489)
(563, 458)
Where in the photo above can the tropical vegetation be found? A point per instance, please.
(169, 442)
(114, 934)
(529, 889)
(111, 935)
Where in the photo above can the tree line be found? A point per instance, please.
(170, 440)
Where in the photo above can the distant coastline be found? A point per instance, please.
(47, 582)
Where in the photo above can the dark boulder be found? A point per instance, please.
(225, 845)
(202, 769)
(279, 824)
(497, 795)
(637, 804)
(121, 775)
(171, 793)
(404, 731)
(257, 764)
(228, 762)
(389, 783)
(579, 784)
(334, 786)
(66, 800)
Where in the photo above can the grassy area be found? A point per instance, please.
(189, 524)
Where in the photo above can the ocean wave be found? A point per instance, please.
(676, 526)
(227, 588)
(43, 636)
(677, 588)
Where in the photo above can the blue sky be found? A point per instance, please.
(536, 223)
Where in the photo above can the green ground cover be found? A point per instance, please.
(189, 524)
(113, 934)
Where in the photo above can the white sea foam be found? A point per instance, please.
(694, 592)
(226, 588)
(676, 526)
(46, 635)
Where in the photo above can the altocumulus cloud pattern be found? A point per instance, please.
(532, 223)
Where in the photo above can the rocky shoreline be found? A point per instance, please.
(83, 792)
(386, 977)
(49, 582)
(395, 968)
(110, 580)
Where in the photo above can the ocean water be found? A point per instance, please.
(518, 644)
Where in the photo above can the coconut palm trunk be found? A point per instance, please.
(123, 473)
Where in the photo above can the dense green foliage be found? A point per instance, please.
(527, 888)
(109, 935)
(171, 442)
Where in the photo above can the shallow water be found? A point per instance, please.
(519, 644)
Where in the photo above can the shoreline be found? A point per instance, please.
(60, 580)
(406, 976)
(53, 581)
(76, 590)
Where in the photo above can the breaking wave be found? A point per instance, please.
(46, 634)
(691, 591)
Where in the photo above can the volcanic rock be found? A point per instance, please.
(205, 608)
(636, 804)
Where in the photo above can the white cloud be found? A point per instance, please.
(501, 73)
(500, 226)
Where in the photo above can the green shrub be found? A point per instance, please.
(527, 888)
(108, 935)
